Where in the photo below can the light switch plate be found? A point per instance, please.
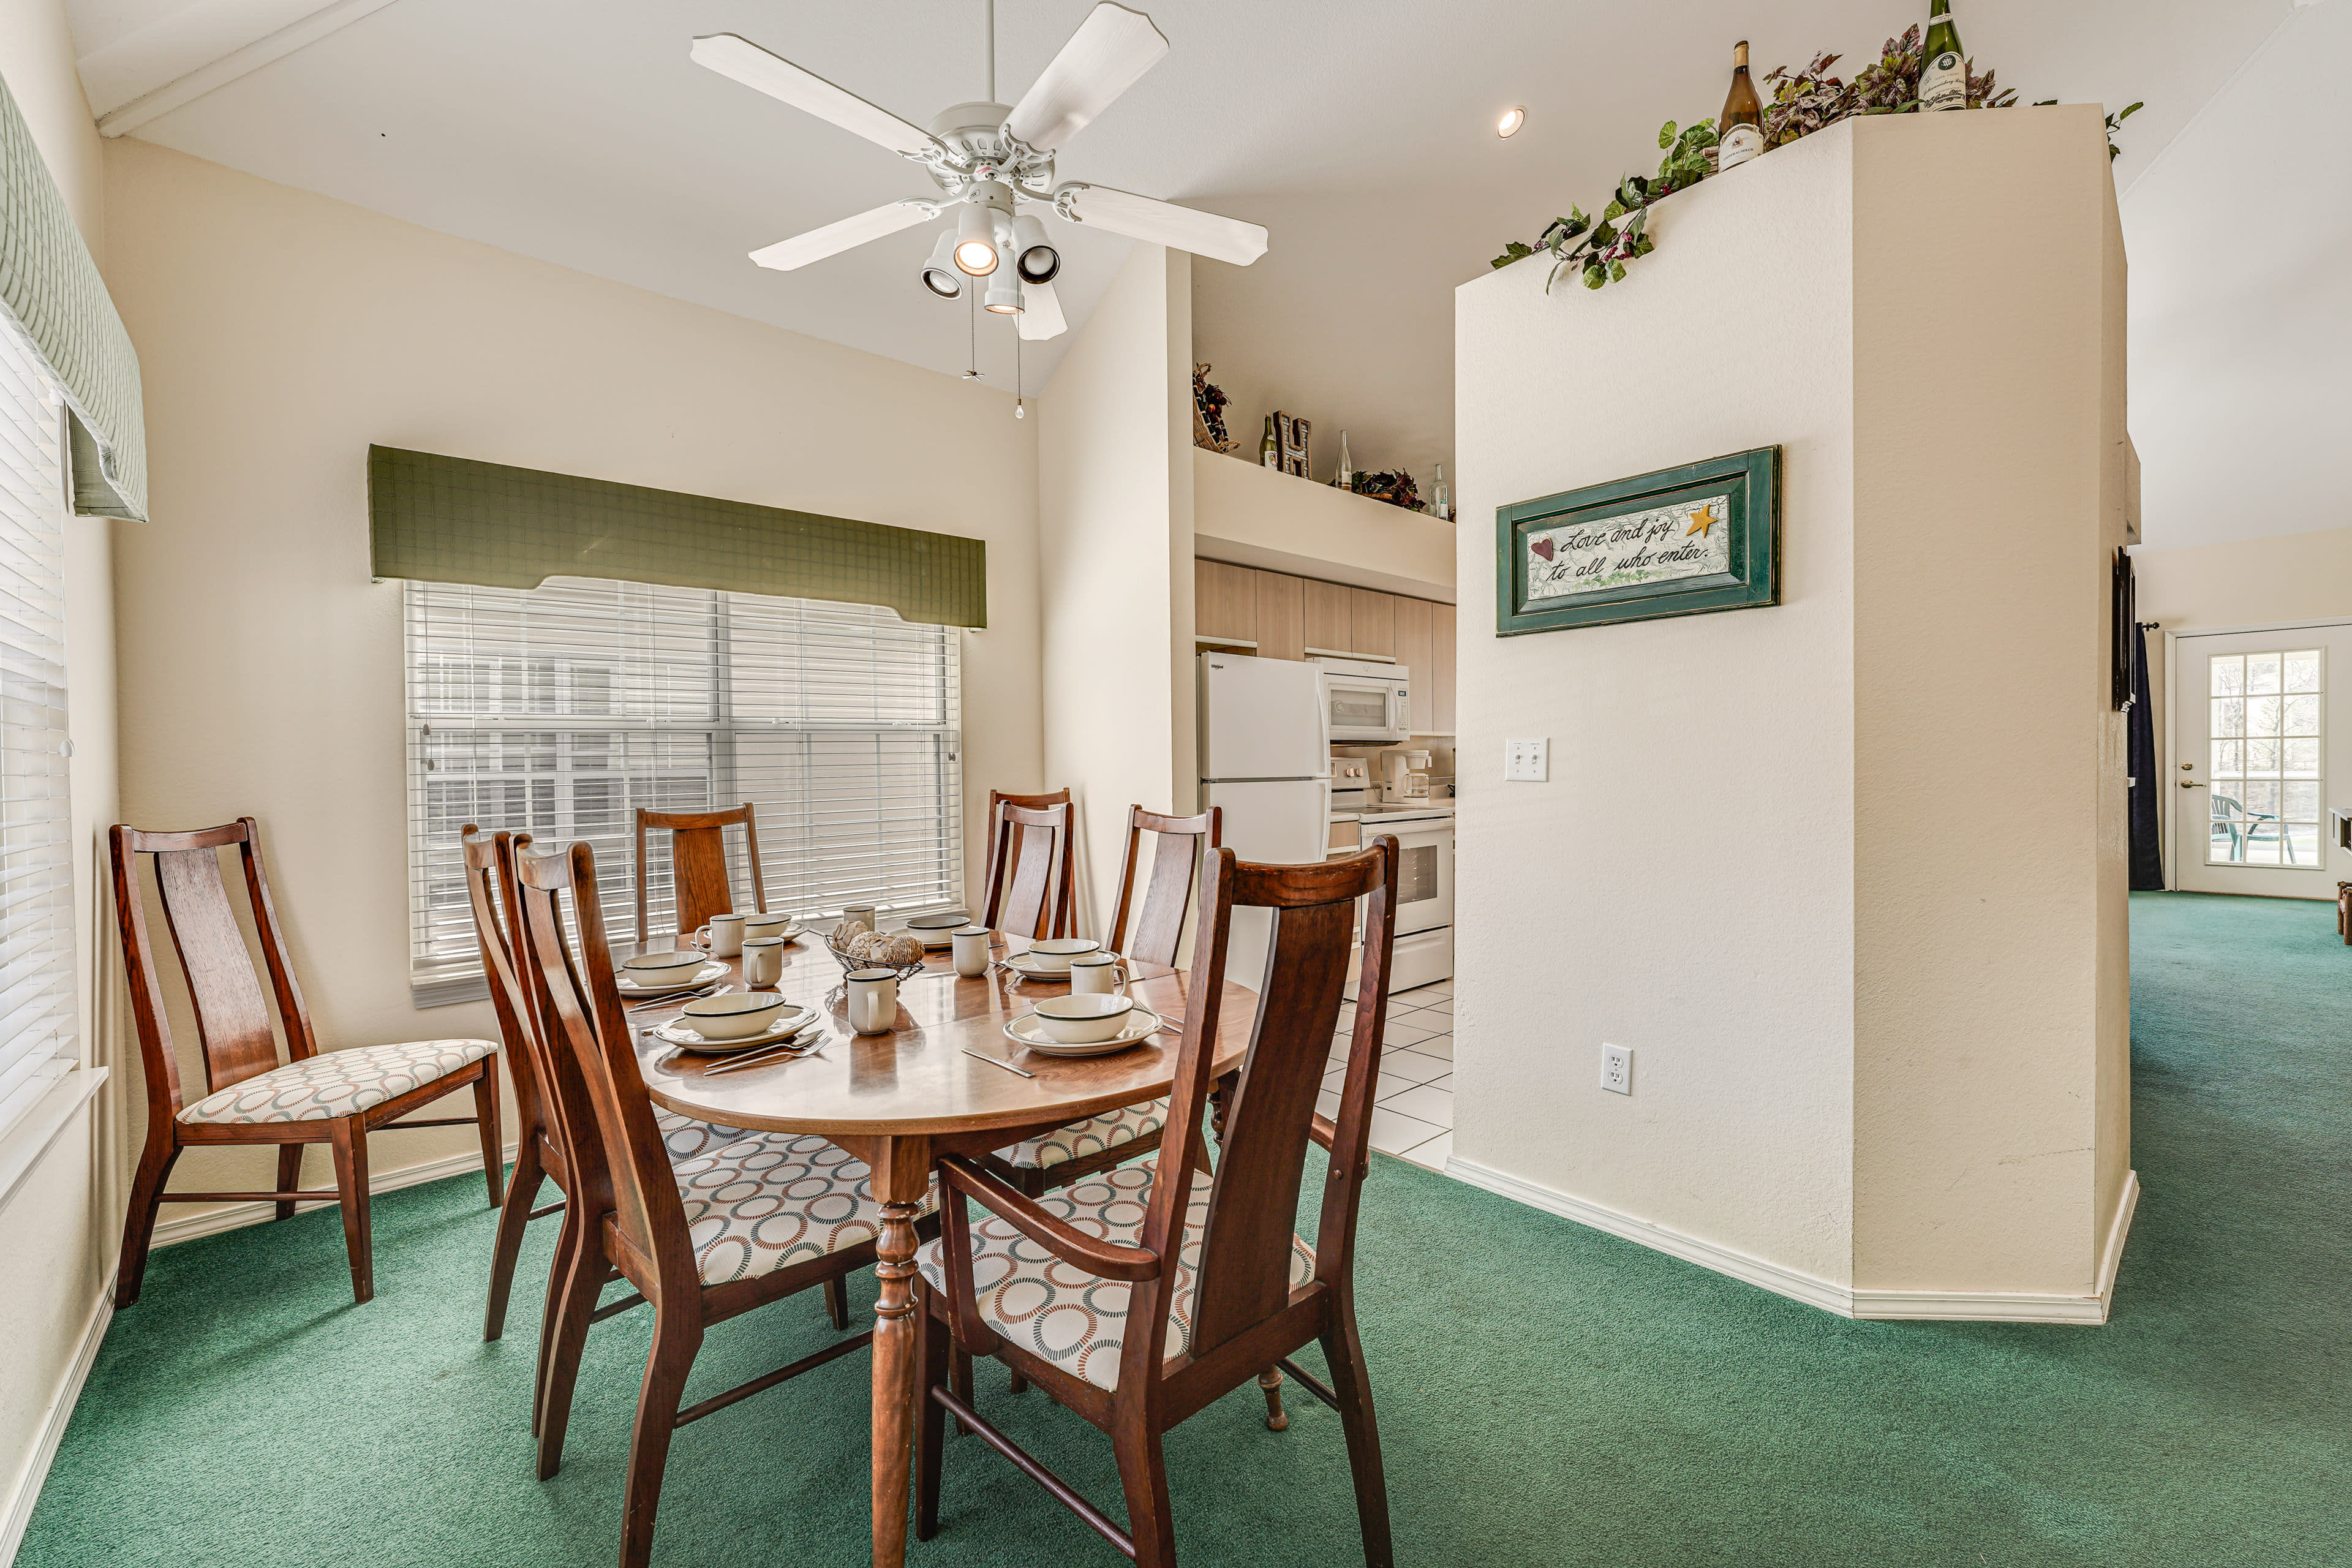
(1526, 761)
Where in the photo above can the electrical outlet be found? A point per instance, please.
(1526, 761)
(1617, 1068)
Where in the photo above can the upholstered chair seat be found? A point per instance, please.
(1060, 1311)
(338, 1083)
(1095, 1135)
(773, 1198)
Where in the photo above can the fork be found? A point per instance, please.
(673, 1001)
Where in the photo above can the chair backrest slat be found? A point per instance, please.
(1244, 1267)
(698, 863)
(1175, 866)
(497, 925)
(1030, 892)
(618, 1158)
(232, 1010)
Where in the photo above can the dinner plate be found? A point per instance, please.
(688, 1039)
(1026, 1031)
(1019, 966)
(628, 986)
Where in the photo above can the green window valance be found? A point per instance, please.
(451, 519)
(52, 287)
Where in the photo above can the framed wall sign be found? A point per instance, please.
(1681, 542)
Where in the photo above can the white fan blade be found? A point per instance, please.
(1111, 48)
(1162, 223)
(754, 66)
(850, 233)
(1041, 312)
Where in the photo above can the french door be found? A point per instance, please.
(2261, 751)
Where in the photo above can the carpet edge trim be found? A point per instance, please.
(234, 1216)
(54, 1421)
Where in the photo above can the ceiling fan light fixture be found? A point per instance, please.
(975, 246)
(1033, 256)
(1003, 297)
(940, 273)
(1511, 120)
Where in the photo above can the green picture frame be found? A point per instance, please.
(1637, 549)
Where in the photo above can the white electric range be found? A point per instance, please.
(1423, 952)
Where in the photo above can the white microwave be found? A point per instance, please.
(1366, 701)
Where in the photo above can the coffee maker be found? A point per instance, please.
(1404, 772)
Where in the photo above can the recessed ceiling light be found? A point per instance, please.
(1508, 125)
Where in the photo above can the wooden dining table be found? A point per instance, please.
(899, 1100)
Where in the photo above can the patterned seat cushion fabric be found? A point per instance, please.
(1092, 1136)
(338, 1083)
(687, 1139)
(774, 1198)
(1060, 1311)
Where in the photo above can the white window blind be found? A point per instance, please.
(561, 709)
(39, 1039)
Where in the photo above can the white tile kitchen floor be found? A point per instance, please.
(1412, 1110)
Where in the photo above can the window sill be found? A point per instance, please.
(22, 1146)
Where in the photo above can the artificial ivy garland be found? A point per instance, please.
(1803, 102)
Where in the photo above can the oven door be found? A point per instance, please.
(1367, 708)
(1424, 875)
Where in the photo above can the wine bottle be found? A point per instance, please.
(1441, 499)
(1270, 451)
(1739, 129)
(1346, 477)
(1943, 73)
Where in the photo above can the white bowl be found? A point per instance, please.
(665, 965)
(768, 925)
(1055, 952)
(1083, 1020)
(737, 1016)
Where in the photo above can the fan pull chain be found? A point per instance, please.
(989, 6)
(1020, 409)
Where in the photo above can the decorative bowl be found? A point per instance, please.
(848, 963)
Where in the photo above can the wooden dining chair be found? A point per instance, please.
(540, 1144)
(1038, 802)
(698, 864)
(335, 1097)
(1072, 1153)
(1029, 891)
(703, 1240)
(1225, 1291)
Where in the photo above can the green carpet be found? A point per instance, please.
(1548, 1395)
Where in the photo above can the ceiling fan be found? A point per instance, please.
(986, 158)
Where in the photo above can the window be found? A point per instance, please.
(2265, 740)
(39, 1039)
(561, 709)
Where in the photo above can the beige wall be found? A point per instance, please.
(1989, 1149)
(1869, 1010)
(1114, 548)
(281, 334)
(56, 1230)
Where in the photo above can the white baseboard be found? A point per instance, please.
(231, 1216)
(54, 1420)
(1945, 1305)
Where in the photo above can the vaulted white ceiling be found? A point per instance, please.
(1359, 131)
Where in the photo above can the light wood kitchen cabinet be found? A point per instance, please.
(1285, 616)
(1412, 651)
(1281, 610)
(1225, 602)
(1328, 623)
(1371, 624)
(1441, 669)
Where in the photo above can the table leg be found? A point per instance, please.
(901, 1172)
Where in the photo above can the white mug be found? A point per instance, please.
(763, 960)
(723, 936)
(970, 945)
(873, 1000)
(766, 925)
(1098, 974)
(863, 912)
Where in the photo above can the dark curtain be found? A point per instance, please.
(2147, 846)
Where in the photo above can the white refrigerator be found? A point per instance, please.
(1265, 758)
